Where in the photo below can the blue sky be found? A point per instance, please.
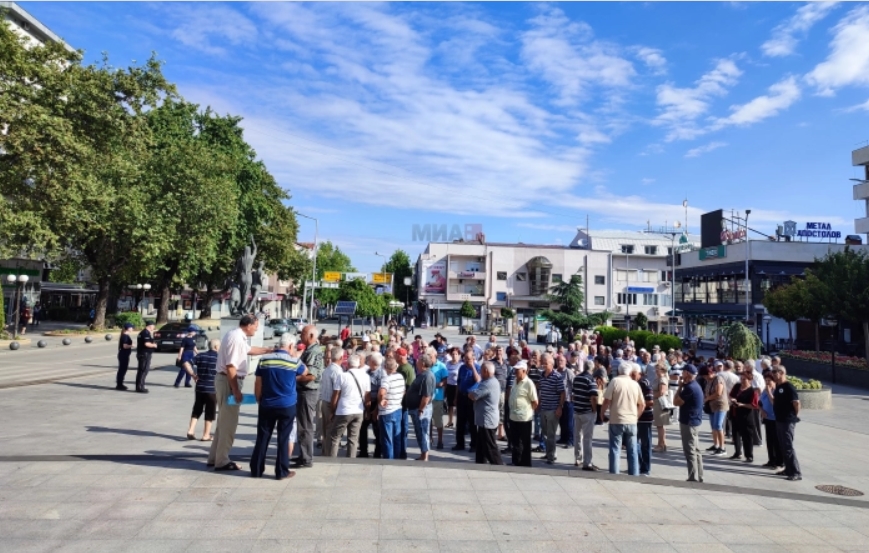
(525, 118)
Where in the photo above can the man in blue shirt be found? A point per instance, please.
(689, 399)
(467, 378)
(275, 391)
(439, 370)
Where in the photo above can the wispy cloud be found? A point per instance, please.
(647, 181)
(210, 28)
(786, 36)
(848, 60)
(542, 226)
(705, 149)
(781, 96)
(653, 58)
(680, 108)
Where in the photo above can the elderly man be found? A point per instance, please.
(406, 370)
(376, 374)
(204, 374)
(486, 397)
(523, 402)
(309, 395)
(439, 370)
(419, 403)
(584, 416)
(624, 400)
(331, 375)
(644, 423)
(689, 400)
(615, 363)
(350, 398)
(502, 371)
(467, 377)
(275, 391)
(389, 397)
(786, 406)
(552, 396)
(565, 423)
(232, 367)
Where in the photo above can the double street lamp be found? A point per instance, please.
(139, 291)
(19, 281)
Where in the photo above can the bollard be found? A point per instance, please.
(108, 337)
(41, 343)
(67, 341)
(14, 346)
(88, 339)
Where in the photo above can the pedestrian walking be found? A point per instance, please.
(204, 374)
(145, 345)
(185, 355)
(689, 400)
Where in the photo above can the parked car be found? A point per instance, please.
(280, 326)
(299, 323)
(169, 336)
(268, 332)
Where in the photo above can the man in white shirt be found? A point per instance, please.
(232, 368)
(350, 398)
(333, 371)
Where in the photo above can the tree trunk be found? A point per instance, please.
(163, 310)
(206, 304)
(790, 332)
(866, 337)
(102, 303)
(817, 336)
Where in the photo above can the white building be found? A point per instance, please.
(27, 26)
(860, 158)
(623, 273)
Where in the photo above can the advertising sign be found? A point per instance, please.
(435, 275)
(713, 253)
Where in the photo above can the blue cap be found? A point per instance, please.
(128, 326)
(691, 369)
(191, 329)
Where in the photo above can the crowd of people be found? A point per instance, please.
(511, 400)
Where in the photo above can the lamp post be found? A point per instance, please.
(747, 281)
(19, 281)
(314, 270)
(767, 319)
(628, 290)
(833, 323)
(139, 293)
(391, 280)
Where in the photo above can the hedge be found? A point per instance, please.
(133, 317)
(641, 338)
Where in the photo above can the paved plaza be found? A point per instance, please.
(86, 468)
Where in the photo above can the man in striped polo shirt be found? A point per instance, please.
(551, 403)
(276, 395)
(584, 416)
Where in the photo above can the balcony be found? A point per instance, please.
(461, 296)
(466, 275)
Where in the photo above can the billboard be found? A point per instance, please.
(434, 274)
(710, 228)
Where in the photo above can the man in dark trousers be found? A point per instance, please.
(144, 345)
(468, 376)
(125, 348)
(786, 405)
(309, 396)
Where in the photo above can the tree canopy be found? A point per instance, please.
(399, 265)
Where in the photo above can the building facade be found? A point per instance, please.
(860, 158)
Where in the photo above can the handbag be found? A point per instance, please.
(179, 363)
(664, 403)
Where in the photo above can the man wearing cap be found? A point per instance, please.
(144, 345)
(689, 400)
(125, 348)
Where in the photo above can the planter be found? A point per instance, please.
(816, 399)
(90, 333)
(849, 376)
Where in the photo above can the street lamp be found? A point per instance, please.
(407, 283)
(19, 281)
(833, 323)
(138, 292)
(314, 270)
(767, 319)
(747, 281)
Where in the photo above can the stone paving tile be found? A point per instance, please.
(684, 533)
(531, 530)
(406, 496)
(28, 546)
(415, 545)
(560, 513)
(501, 497)
(469, 546)
(645, 548)
(452, 511)
(840, 536)
(110, 529)
(220, 546)
(525, 546)
(580, 532)
(634, 532)
(463, 530)
(407, 530)
(454, 497)
(153, 546)
(554, 498)
(571, 546)
(707, 548)
(737, 534)
(292, 529)
(351, 530)
(90, 546)
(284, 546)
(509, 512)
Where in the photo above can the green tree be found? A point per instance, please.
(782, 302)
(66, 270)
(569, 295)
(744, 343)
(368, 304)
(467, 311)
(641, 321)
(399, 266)
(840, 281)
(810, 298)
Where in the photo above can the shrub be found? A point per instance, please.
(133, 317)
(664, 341)
(825, 358)
(639, 337)
(610, 334)
(801, 384)
(507, 313)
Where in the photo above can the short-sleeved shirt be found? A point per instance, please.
(584, 387)
(406, 370)
(188, 344)
(551, 388)
(144, 337)
(522, 396)
(125, 340)
(206, 370)
(234, 349)
(277, 372)
(453, 372)
(535, 374)
(331, 376)
(465, 379)
(440, 372)
(782, 405)
(568, 376)
(691, 411)
(376, 376)
(624, 395)
(501, 371)
(648, 413)
(422, 386)
(766, 405)
(353, 386)
(312, 357)
(487, 396)
(394, 386)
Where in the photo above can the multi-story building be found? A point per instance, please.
(27, 26)
(860, 158)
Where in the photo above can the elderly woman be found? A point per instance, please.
(662, 416)
(389, 398)
(523, 404)
(419, 403)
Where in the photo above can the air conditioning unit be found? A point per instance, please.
(617, 309)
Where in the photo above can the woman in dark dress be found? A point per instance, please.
(186, 355)
(744, 400)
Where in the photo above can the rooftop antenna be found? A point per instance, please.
(685, 205)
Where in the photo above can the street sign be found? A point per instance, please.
(351, 276)
(332, 276)
(381, 278)
(328, 285)
(345, 308)
(309, 284)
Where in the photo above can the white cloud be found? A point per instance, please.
(565, 53)
(848, 61)
(700, 150)
(681, 107)
(653, 58)
(786, 36)
(781, 96)
(206, 26)
(541, 226)
(859, 107)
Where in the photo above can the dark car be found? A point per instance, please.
(280, 326)
(169, 336)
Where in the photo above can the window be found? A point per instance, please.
(643, 276)
(650, 276)
(650, 299)
(599, 300)
(651, 250)
(502, 275)
(666, 276)
(500, 296)
(521, 277)
(627, 299)
(599, 279)
(627, 248)
(621, 275)
(556, 278)
(669, 251)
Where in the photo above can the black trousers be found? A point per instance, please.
(520, 440)
(785, 432)
(363, 438)
(465, 421)
(773, 451)
(142, 370)
(487, 447)
(743, 437)
(123, 366)
(507, 421)
(268, 418)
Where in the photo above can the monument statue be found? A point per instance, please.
(243, 279)
(258, 280)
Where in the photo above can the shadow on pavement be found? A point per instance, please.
(131, 432)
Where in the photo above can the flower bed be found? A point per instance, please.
(826, 358)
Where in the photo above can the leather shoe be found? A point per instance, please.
(795, 478)
(591, 468)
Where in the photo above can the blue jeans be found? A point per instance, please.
(401, 445)
(421, 427)
(538, 431)
(390, 433)
(629, 433)
(644, 435)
